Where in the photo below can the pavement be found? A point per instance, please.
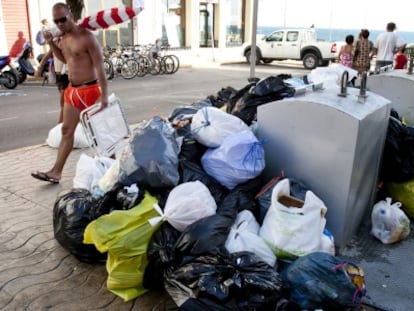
(36, 273)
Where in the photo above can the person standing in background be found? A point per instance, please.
(364, 49)
(400, 59)
(346, 53)
(62, 78)
(386, 46)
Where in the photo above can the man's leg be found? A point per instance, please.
(70, 121)
(61, 102)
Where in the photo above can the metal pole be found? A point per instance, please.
(253, 45)
(211, 17)
(330, 22)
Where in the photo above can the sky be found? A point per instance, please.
(347, 14)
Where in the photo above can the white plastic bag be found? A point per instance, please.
(244, 236)
(187, 203)
(239, 158)
(90, 170)
(331, 76)
(110, 178)
(210, 126)
(55, 136)
(290, 230)
(389, 222)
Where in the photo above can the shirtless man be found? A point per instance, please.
(82, 53)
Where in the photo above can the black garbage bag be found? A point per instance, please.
(72, 212)
(239, 94)
(191, 149)
(238, 281)
(265, 91)
(222, 97)
(323, 281)
(208, 235)
(191, 171)
(398, 156)
(161, 256)
(118, 199)
(151, 157)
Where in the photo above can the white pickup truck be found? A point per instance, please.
(295, 44)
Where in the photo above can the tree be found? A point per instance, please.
(76, 7)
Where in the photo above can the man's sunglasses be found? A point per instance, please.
(61, 20)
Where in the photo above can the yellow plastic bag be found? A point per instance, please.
(125, 276)
(125, 236)
(404, 193)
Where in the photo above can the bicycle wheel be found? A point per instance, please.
(109, 69)
(155, 67)
(117, 64)
(176, 62)
(144, 64)
(168, 64)
(129, 69)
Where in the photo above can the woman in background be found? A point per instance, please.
(363, 52)
(346, 53)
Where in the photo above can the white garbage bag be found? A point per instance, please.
(292, 227)
(55, 136)
(389, 222)
(90, 170)
(210, 126)
(238, 159)
(244, 236)
(187, 203)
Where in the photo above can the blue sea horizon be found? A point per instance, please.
(337, 34)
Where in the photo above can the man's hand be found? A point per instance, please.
(104, 103)
(48, 36)
(38, 73)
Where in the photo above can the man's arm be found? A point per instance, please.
(96, 55)
(38, 72)
(57, 52)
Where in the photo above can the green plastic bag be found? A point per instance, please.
(125, 235)
(404, 193)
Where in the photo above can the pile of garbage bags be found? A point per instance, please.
(185, 207)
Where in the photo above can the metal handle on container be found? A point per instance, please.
(410, 66)
(363, 88)
(344, 82)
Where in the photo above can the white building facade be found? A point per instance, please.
(185, 24)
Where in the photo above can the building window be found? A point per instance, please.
(235, 25)
(173, 22)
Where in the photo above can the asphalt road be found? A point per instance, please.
(28, 112)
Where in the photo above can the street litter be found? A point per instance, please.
(201, 219)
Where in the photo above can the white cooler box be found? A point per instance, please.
(334, 145)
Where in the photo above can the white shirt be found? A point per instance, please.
(387, 44)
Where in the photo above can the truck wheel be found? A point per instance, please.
(310, 61)
(249, 55)
(267, 60)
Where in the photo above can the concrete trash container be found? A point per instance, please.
(398, 87)
(334, 145)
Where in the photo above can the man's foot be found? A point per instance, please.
(44, 177)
